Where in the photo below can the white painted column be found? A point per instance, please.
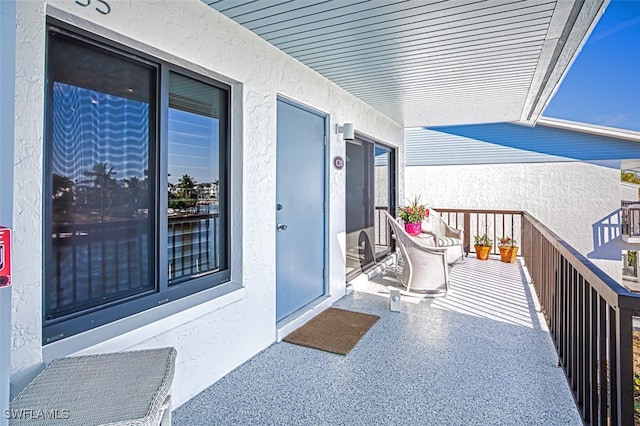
(7, 94)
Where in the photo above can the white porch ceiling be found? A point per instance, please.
(426, 63)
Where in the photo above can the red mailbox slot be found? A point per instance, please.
(5, 256)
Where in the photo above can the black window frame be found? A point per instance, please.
(59, 328)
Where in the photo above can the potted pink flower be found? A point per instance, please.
(508, 249)
(413, 215)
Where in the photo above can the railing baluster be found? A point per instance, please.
(467, 232)
(561, 313)
(624, 352)
(90, 268)
(74, 268)
(116, 244)
(557, 312)
(59, 297)
(193, 269)
(103, 257)
(602, 362)
(580, 344)
(612, 378)
(215, 242)
(594, 358)
(129, 264)
(566, 308)
(550, 285)
(495, 241)
(573, 332)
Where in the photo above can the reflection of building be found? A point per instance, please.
(629, 191)
(207, 193)
(203, 193)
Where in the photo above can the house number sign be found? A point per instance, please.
(101, 6)
(338, 163)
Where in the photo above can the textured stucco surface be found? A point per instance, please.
(578, 201)
(629, 191)
(190, 34)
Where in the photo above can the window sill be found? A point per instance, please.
(127, 332)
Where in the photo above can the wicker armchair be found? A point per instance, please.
(424, 269)
(444, 236)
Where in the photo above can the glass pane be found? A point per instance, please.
(101, 228)
(382, 183)
(359, 207)
(197, 114)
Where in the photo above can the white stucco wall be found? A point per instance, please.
(629, 191)
(578, 201)
(215, 337)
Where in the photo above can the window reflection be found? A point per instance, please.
(100, 229)
(194, 177)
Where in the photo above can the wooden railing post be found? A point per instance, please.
(624, 363)
(467, 232)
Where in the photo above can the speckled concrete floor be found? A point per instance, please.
(479, 356)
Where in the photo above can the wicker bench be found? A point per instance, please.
(123, 388)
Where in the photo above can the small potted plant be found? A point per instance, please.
(413, 215)
(483, 245)
(508, 249)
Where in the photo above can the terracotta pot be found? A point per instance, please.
(508, 254)
(482, 252)
(413, 229)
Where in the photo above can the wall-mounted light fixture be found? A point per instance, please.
(347, 131)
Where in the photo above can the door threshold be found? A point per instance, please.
(301, 316)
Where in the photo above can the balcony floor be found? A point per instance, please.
(481, 355)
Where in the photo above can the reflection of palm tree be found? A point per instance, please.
(183, 194)
(187, 181)
(62, 187)
(63, 197)
(186, 191)
(101, 177)
(134, 185)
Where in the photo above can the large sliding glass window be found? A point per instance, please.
(370, 189)
(105, 236)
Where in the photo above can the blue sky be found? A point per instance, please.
(603, 85)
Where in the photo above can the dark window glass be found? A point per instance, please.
(101, 231)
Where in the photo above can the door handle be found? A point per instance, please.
(281, 227)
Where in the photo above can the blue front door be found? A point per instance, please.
(300, 215)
